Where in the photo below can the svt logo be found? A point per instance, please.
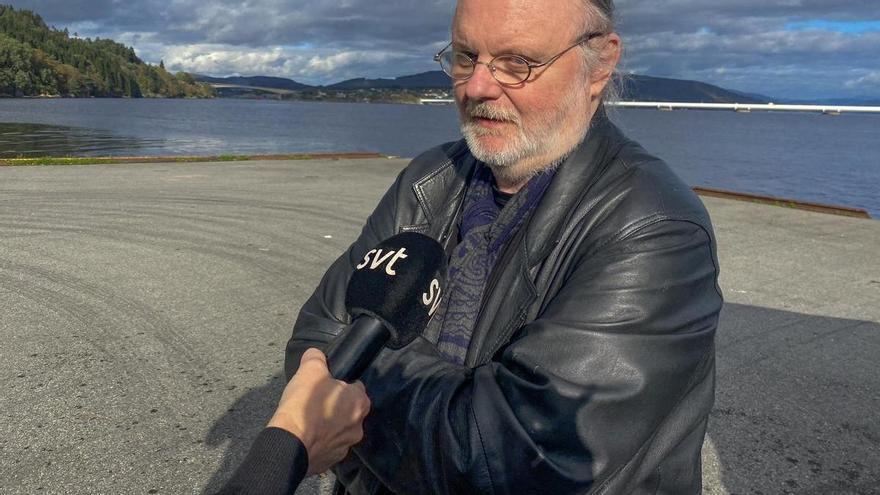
(432, 298)
(379, 258)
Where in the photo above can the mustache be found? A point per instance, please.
(485, 110)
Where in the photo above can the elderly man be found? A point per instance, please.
(574, 351)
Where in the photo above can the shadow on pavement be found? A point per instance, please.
(796, 403)
(243, 421)
(795, 411)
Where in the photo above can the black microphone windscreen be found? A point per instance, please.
(399, 282)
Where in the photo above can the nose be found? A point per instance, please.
(482, 85)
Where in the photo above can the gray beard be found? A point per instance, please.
(528, 153)
(522, 175)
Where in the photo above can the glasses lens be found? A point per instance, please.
(510, 69)
(456, 64)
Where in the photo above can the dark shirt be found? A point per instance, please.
(501, 198)
(276, 463)
(489, 219)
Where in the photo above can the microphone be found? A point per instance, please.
(391, 297)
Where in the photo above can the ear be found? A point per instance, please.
(609, 56)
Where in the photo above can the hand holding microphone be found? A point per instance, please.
(391, 297)
(327, 415)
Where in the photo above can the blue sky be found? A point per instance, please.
(804, 49)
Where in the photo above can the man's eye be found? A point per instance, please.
(462, 59)
(512, 64)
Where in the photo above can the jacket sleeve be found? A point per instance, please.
(614, 375)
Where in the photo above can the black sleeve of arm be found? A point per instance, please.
(612, 377)
(276, 464)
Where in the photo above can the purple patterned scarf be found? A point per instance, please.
(484, 230)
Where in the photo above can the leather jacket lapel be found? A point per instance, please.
(508, 296)
(575, 176)
(511, 291)
(440, 194)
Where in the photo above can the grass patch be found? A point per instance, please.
(53, 161)
(49, 160)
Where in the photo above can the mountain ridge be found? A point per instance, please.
(633, 87)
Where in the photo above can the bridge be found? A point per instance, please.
(276, 91)
(747, 107)
(436, 101)
(737, 107)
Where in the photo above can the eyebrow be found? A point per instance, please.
(506, 50)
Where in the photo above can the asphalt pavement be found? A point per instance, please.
(145, 308)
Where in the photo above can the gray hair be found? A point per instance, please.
(599, 17)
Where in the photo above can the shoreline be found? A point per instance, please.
(703, 191)
(113, 160)
(413, 100)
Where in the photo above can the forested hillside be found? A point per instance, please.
(38, 60)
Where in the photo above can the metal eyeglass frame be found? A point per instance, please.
(491, 64)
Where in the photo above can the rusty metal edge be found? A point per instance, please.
(788, 203)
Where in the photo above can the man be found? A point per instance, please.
(317, 421)
(574, 349)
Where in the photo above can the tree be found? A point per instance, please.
(36, 59)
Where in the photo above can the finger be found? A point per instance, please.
(363, 400)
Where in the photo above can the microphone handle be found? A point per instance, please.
(360, 343)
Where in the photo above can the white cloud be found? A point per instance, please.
(218, 59)
(741, 44)
(302, 64)
(319, 65)
(870, 80)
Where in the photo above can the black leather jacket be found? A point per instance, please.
(592, 364)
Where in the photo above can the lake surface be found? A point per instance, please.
(809, 157)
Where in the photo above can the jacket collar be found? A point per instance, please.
(575, 175)
(439, 193)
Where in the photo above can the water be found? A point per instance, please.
(224, 126)
(809, 157)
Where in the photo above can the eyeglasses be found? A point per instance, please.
(507, 69)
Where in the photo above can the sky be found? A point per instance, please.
(793, 49)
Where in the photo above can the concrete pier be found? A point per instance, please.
(145, 308)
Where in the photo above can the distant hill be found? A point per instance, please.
(36, 60)
(257, 81)
(642, 88)
(635, 88)
(426, 80)
(647, 88)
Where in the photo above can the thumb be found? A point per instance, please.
(313, 354)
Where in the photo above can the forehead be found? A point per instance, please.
(507, 23)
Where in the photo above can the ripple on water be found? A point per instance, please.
(19, 140)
